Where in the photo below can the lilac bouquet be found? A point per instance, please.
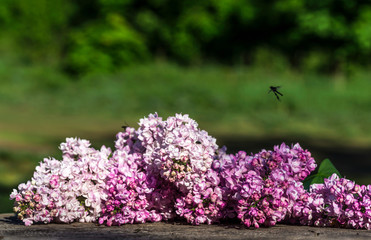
(170, 169)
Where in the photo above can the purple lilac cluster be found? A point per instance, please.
(262, 188)
(204, 203)
(338, 202)
(170, 168)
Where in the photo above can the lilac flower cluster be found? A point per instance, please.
(134, 196)
(338, 202)
(204, 203)
(177, 149)
(169, 169)
(262, 188)
(67, 190)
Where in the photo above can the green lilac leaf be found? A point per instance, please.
(325, 170)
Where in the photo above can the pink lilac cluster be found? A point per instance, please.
(134, 196)
(31, 206)
(295, 162)
(182, 154)
(204, 203)
(66, 190)
(261, 189)
(177, 149)
(338, 202)
(261, 202)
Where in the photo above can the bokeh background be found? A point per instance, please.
(85, 68)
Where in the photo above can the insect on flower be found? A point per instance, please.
(275, 91)
(125, 126)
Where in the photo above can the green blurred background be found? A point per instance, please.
(84, 68)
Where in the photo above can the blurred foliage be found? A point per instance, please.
(335, 107)
(100, 47)
(38, 28)
(105, 35)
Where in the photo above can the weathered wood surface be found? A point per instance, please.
(11, 228)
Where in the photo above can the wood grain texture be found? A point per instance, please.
(11, 228)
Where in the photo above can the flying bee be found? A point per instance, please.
(198, 142)
(275, 91)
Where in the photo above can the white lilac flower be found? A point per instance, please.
(177, 149)
(67, 190)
